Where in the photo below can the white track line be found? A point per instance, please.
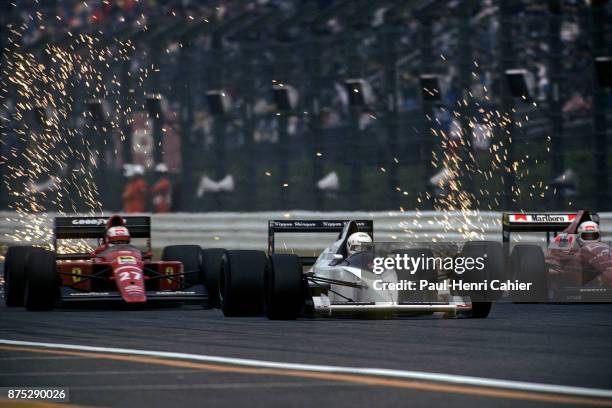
(412, 375)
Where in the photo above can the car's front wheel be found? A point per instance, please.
(212, 259)
(284, 287)
(492, 256)
(528, 265)
(241, 283)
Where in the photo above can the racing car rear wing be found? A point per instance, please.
(335, 226)
(95, 228)
(540, 222)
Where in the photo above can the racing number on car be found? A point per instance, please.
(129, 275)
(169, 273)
(76, 271)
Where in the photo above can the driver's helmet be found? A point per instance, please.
(358, 242)
(588, 232)
(118, 235)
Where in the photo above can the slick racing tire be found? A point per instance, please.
(191, 258)
(423, 273)
(493, 269)
(212, 259)
(480, 310)
(284, 288)
(14, 275)
(241, 283)
(527, 264)
(42, 287)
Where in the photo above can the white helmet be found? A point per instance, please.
(357, 242)
(588, 231)
(118, 235)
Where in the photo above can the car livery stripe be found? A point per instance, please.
(127, 268)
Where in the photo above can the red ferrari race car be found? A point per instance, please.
(575, 266)
(117, 270)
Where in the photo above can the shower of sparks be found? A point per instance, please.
(53, 164)
(457, 209)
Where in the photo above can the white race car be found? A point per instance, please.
(343, 282)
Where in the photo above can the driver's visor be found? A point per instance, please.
(589, 236)
(361, 247)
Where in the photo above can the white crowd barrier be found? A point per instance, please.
(249, 230)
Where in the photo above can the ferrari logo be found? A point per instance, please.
(76, 271)
(169, 272)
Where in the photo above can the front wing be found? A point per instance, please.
(195, 293)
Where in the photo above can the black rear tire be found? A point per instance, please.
(212, 259)
(191, 258)
(241, 283)
(527, 264)
(42, 290)
(480, 310)
(494, 269)
(284, 287)
(14, 275)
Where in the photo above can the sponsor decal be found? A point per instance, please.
(134, 290)
(85, 294)
(126, 260)
(304, 224)
(89, 221)
(542, 218)
(315, 224)
(333, 224)
(294, 224)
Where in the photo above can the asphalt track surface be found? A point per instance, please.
(553, 344)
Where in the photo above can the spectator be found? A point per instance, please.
(162, 190)
(135, 193)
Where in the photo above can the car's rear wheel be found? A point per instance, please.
(42, 289)
(241, 282)
(527, 264)
(493, 255)
(191, 258)
(212, 259)
(284, 287)
(14, 275)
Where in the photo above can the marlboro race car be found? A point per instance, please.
(575, 266)
(340, 281)
(42, 279)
